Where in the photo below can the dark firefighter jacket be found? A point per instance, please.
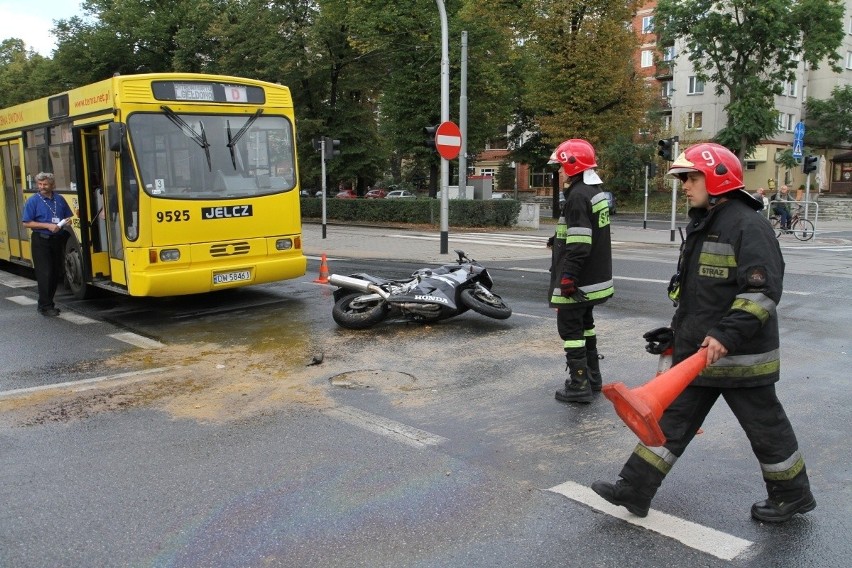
(731, 278)
(582, 246)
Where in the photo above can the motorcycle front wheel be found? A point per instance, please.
(482, 301)
(351, 313)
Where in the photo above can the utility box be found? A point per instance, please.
(528, 215)
(482, 186)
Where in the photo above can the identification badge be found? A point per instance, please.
(54, 220)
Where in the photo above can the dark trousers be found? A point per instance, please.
(576, 326)
(761, 416)
(48, 256)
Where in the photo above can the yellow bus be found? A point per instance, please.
(183, 183)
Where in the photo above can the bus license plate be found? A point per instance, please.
(228, 277)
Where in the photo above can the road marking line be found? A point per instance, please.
(713, 542)
(76, 318)
(386, 427)
(531, 316)
(86, 384)
(13, 281)
(22, 300)
(137, 340)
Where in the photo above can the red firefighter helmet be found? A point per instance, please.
(575, 155)
(721, 167)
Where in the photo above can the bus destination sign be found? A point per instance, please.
(194, 92)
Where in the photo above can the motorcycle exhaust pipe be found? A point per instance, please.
(356, 284)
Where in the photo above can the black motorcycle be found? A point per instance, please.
(429, 295)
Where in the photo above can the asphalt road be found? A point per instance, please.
(216, 444)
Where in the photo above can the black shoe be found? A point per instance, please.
(575, 393)
(49, 312)
(772, 511)
(623, 494)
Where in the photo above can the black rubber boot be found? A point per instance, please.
(577, 388)
(593, 363)
(772, 511)
(623, 494)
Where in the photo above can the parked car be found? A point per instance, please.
(500, 195)
(376, 194)
(400, 194)
(346, 194)
(318, 193)
(610, 197)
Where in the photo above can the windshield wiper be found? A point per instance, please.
(232, 141)
(231, 144)
(189, 132)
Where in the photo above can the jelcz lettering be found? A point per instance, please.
(226, 212)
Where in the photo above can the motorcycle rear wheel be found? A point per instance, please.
(489, 305)
(361, 316)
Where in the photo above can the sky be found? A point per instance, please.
(32, 20)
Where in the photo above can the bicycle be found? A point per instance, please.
(799, 227)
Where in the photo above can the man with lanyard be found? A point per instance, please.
(46, 213)
(729, 282)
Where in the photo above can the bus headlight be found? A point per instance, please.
(169, 255)
(283, 244)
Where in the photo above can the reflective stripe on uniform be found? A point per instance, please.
(784, 471)
(742, 366)
(580, 235)
(599, 202)
(592, 292)
(759, 305)
(717, 254)
(589, 332)
(659, 457)
(574, 343)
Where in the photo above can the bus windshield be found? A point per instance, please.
(196, 156)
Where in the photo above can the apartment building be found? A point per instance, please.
(691, 110)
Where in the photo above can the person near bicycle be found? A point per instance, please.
(781, 206)
(728, 285)
(581, 268)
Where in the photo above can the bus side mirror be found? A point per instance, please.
(115, 136)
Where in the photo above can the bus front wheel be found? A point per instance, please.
(74, 278)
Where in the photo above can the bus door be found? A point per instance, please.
(112, 212)
(13, 197)
(93, 168)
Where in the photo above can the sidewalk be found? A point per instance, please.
(423, 244)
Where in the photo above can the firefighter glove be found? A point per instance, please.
(568, 285)
(659, 340)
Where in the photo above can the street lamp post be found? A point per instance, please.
(445, 116)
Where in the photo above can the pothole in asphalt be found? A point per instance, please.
(373, 378)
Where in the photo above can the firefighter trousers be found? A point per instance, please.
(576, 327)
(760, 415)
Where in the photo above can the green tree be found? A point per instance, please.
(581, 82)
(24, 74)
(829, 121)
(748, 50)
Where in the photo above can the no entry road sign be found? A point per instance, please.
(448, 140)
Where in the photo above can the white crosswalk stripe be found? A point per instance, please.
(496, 239)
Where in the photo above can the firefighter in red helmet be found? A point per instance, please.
(581, 268)
(727, 288)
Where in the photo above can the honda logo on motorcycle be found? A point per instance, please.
(432, 299)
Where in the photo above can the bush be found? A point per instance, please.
(462, 212)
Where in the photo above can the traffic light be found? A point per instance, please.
(429, 132)
(317, 142)
(652, 170)
(332, 148)
(810, 164)
(665, 149)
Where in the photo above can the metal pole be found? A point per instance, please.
(645, 219)
(463, 118)
(445, 116)
(675, 154)
(324, 192)
(807, 193)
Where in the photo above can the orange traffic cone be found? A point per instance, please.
(323, 272)
(642, 407)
